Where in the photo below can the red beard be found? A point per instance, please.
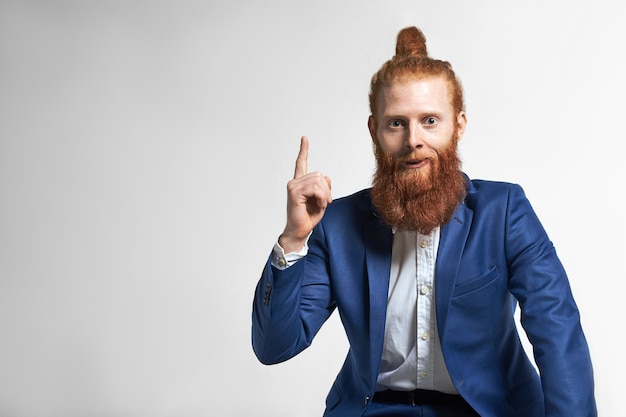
(418, 199)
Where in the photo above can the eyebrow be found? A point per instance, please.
(421, 114)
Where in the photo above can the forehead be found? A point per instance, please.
(427, 94)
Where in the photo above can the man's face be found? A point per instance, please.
(415, 120)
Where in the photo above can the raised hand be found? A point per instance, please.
(308, 195)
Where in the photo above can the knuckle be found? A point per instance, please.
(291, 185)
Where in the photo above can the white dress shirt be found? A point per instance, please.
(412, 356)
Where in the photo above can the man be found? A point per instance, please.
(426, 269)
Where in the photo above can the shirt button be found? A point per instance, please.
(425, 374)
(424, 243)
(425, 336)
(282, 262)
(424, 290)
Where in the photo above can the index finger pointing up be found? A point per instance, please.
(301, 161)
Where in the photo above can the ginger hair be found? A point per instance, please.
(411, 62)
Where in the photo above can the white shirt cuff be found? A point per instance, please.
(282, 260)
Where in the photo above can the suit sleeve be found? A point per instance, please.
(290, 305)
(549, 314)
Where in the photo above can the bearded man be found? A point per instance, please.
(426, 269)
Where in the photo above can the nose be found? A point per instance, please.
(414, 138)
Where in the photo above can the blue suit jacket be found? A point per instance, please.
(493, 254)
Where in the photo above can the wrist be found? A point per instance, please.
(291, 243)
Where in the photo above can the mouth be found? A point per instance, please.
(415, 163)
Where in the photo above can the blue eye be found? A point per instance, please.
(395, 123)
(431, 120)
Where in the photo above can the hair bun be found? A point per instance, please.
(411, 42)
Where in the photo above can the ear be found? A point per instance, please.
(461, 122)
(371, 126)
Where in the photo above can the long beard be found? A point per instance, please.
(420, 199)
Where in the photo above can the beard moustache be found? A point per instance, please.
(417, 200)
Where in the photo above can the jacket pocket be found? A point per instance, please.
(526, 395)
(476, 283)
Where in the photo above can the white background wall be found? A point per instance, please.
(144, 151)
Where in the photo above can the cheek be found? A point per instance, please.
(440, 140)
(389, 144)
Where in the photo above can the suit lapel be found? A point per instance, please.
(378, 243)
(452, 242)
